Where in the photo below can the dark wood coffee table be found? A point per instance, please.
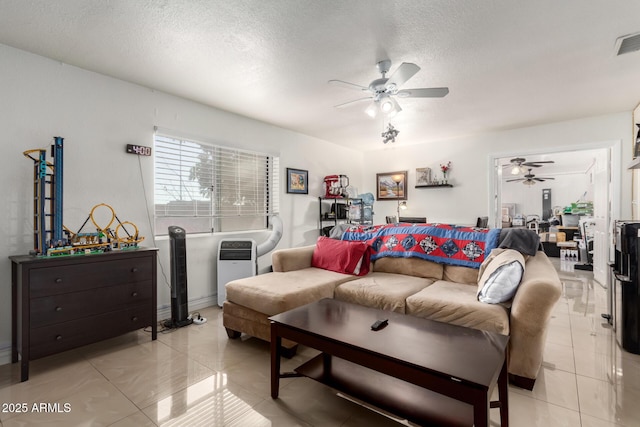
(430, 373)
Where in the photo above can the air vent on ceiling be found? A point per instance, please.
(628, 43)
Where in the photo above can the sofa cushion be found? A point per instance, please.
(456, 303)
(500, 275)
(459, 274)
(273, 293)
(409, 266)
(386, 291)
(341, 256)
(292, 258)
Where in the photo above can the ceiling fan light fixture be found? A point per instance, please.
(389, 106)
(372, 110)
(515, 170)
(529, 182)
(396, 109)
(386, 105)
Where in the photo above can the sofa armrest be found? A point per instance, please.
(292, 258)
(537, 294)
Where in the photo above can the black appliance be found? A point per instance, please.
(341, 210)
(547, 210)
(626, 289)
(179, 309)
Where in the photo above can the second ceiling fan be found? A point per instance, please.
(530, 179)
(382, 91)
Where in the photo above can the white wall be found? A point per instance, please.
(471, 167)
(97, 116)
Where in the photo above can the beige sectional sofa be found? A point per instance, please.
(412, 286)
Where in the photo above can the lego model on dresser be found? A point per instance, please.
(64, 302)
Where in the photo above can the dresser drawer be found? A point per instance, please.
(65, 307)
(88, 275)
(67, 335)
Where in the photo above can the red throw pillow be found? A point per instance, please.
(341, 256)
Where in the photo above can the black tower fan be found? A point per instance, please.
(179, 309)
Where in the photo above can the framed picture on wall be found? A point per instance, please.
(297, 181)
(423, 176)
(391, 186)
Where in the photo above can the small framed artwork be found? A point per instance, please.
(297, 181)
(423, 176)
(391, 186)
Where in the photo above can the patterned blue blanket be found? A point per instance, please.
(442, 243)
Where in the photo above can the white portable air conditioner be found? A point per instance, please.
(237, 259)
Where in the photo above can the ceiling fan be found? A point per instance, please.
(519, 164)
(382, 91)
(530, 179)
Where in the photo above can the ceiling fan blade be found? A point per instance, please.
(537, 164)
(348, 103)
(517, 179)
(348, 85)
(434, 92)
(544, 178)
(405, 71)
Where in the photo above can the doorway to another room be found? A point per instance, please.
(567, 197)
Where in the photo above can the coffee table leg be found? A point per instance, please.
(326, 361)
(503, 395)
(276, 342)
(481, 412)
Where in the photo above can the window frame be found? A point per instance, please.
(243, 186)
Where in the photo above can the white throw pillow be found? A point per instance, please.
(499, 276)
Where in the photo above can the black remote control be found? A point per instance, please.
(379, 324)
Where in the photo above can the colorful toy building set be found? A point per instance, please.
(50, 236)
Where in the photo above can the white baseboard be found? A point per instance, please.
(5, 353)
(164, 312)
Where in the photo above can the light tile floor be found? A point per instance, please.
(195, 376)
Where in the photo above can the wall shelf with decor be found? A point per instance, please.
(434, 185)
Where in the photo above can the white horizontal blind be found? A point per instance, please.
(203, 188)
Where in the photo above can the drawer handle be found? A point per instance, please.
(59, 338)
(58, 308)
(58, 280)
(134, 294)
(134, 319)
(134, 270)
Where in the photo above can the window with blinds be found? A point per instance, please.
(205, 188)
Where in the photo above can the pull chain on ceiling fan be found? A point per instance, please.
(382, 91)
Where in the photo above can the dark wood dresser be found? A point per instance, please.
(60, 303)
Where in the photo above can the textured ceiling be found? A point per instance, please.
(507, 63)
